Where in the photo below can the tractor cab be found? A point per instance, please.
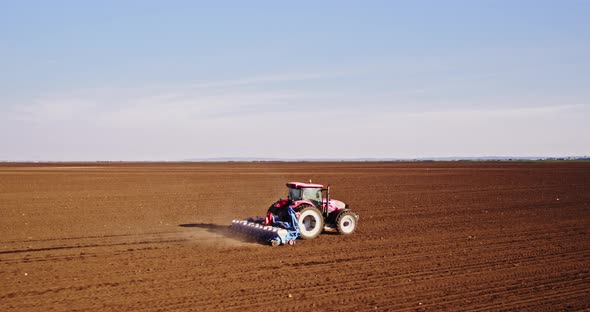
(307, 192)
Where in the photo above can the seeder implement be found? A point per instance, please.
(276, 230)
(264, 233)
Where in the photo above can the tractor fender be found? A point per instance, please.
(332, 217)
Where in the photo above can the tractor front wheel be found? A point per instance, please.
(346, 222)
(311, 222)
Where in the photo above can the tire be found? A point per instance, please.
(346, 222)
(311, 222)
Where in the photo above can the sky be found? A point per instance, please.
(178, 80)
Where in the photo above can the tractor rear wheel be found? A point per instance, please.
(346, 222)
(311, 222)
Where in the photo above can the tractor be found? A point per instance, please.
(307, 211)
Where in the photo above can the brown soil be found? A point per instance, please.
(432, 236)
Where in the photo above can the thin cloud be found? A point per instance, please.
(266, 79)
(177, 102)
(250, 117)
(522, 111)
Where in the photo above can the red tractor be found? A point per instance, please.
(315, 210)
(307, 211)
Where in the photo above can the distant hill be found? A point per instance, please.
(475, 158)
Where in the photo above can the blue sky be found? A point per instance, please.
(172, 80)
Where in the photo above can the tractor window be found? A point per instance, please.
(314, 194)
(294, 194)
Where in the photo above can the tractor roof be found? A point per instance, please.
(299, 185)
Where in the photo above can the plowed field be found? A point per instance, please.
(432, 236)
